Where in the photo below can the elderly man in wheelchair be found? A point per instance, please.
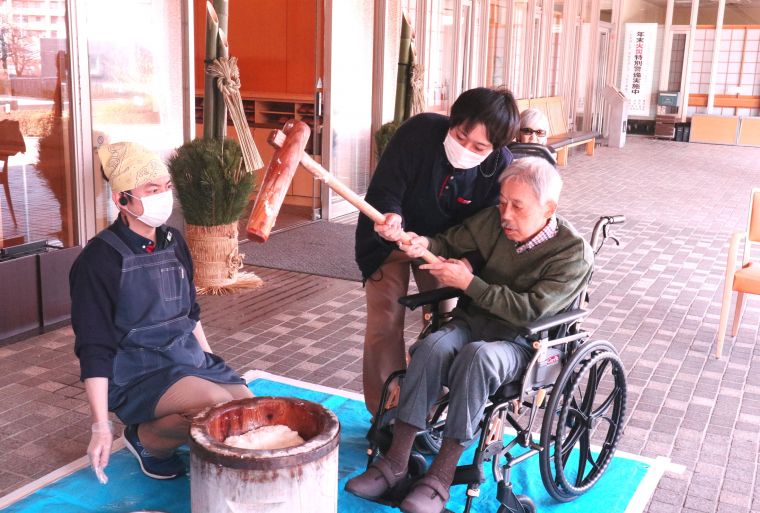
(527, 281)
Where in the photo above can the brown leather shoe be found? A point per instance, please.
(428, 495)
(375, 481)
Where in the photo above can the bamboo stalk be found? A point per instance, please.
(212, 31)
(220, 109)
(403, 70)
(222, 50)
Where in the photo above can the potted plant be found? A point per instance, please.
(213, 187)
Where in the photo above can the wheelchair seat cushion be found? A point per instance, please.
(506, 392)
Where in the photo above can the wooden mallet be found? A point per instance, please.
(290, 143)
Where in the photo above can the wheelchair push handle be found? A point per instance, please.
(616, 219)
(601, 231)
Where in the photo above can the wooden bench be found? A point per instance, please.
(560, 140)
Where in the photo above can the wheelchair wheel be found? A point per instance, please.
(429, 442)
(417, 465)
(526, 502)
(586, 408)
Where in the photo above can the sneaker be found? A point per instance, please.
(157, 468)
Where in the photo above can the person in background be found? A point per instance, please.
(142, 350)
(435, 172)
(534, 126)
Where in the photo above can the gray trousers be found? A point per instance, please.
(384, 347)
(471, 363)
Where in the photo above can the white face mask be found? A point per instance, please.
(156, 208)
(459, 156)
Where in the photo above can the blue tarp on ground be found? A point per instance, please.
(129, 490)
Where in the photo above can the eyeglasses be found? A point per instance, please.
(528, 131)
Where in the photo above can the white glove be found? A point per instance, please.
(99, 450)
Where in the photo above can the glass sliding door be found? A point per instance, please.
(441, 53)
(464, 48)
(496, 58)
(135, 52)
(37, 202)
(598, 108)
(555, 49)
(348, 99)
(517, 59)
(536, 51)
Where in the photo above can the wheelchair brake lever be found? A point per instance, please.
(617, 242)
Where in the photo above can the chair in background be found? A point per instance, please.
(744, 280)
(11, 143)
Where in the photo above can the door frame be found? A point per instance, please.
(81, 113)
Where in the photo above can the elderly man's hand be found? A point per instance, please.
(451, 273)
(416, 247)
(391, 229)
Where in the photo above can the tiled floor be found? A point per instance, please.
(656, 297)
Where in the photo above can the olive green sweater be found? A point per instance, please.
(516, 288)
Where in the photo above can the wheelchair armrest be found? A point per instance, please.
(534, 328)
(430, 297)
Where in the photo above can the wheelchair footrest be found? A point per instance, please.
(469, 474)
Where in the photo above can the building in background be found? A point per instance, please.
(76, 74)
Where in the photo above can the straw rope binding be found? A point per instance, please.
(217, 260)
(417, 81)
(227, 77)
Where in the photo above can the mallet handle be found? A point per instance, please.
(322, 174)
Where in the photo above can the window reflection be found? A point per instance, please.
(36, 176)
(136, 93)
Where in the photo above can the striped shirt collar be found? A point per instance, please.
(549, 231)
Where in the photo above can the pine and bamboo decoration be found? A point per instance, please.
(213, 186)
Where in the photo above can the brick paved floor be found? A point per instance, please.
(656, 298)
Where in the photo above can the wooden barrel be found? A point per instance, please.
(298, 479)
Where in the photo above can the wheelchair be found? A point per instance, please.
(576, 385)
(520, 150)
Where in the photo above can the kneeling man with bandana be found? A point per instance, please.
(142, 350)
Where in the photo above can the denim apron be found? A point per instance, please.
(157, 347)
